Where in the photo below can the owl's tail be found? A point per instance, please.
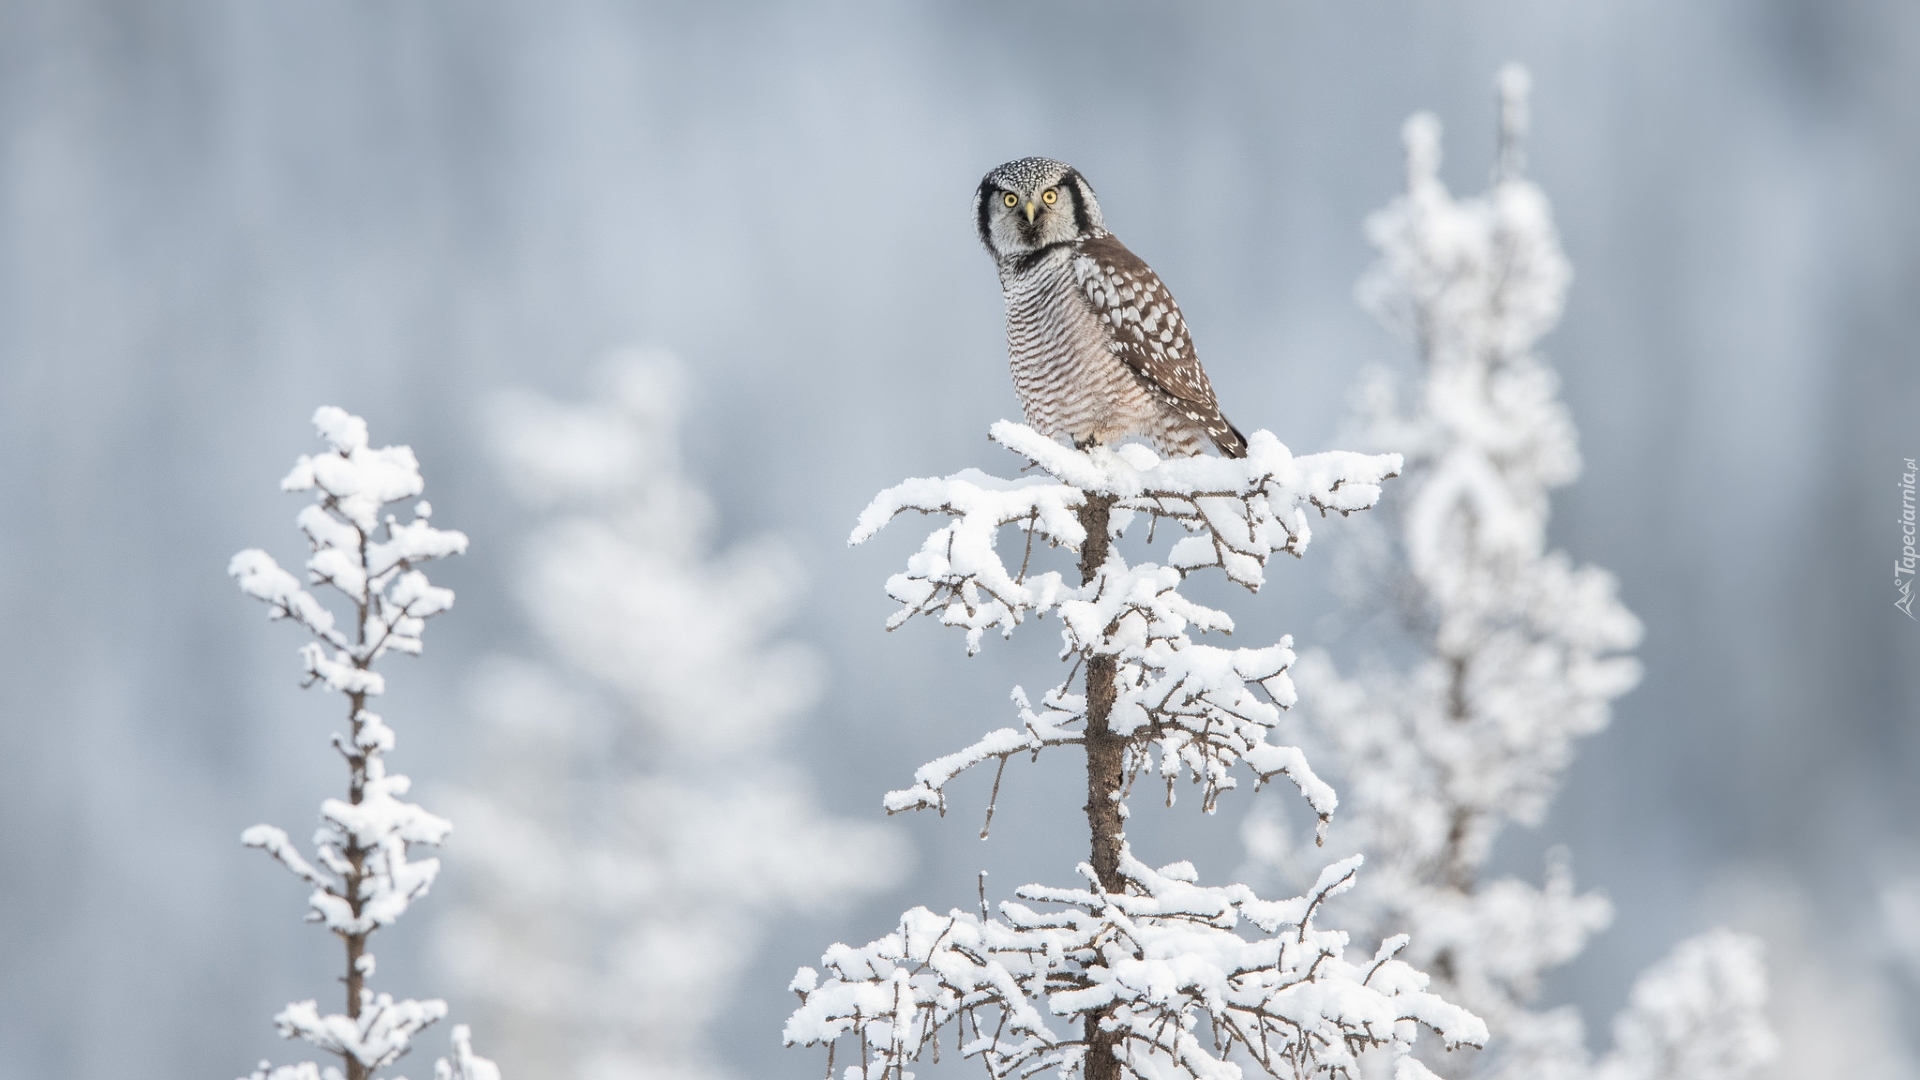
(1231, 442)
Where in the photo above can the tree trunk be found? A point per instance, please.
(356, 873)
(1106, 761)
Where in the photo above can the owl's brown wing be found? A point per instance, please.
(1147, 333)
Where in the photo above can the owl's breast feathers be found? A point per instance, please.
(1146, 332)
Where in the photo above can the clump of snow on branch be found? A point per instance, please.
(1187, 980)
(361, 872)
(634, 823)
(1519, 651)
(1194, 703)
(465, 1064)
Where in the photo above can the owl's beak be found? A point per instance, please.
(1031, 210)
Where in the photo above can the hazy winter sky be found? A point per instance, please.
(217, 215)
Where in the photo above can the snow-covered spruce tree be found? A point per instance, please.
(633, 826)
(1515, 651)
(1137, 972)
(361, 873)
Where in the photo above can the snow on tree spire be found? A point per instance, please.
(1522, 640)
(1520, 651)
(362, 875)
(1111, 978)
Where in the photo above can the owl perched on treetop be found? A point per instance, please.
(1099, 349)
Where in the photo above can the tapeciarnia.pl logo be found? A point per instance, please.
(1903, 567)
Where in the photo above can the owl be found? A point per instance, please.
(1098, 346)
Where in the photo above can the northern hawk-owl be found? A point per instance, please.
(1099, 349)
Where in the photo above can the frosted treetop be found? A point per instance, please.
(1143, 972)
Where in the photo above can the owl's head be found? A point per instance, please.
(1026, 205)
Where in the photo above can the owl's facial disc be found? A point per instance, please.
(1033, 203)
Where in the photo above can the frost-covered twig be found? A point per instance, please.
(361, 872)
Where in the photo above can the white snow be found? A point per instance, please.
(383, 1031)
(465, 1064)
(1696, 1015)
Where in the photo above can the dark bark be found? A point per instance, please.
(1106, 762)
(356, 855)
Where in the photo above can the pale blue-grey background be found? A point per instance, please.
(216, 215)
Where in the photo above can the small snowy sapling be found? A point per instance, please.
(361, 873)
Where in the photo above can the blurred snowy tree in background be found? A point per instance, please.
(1510, 652)
(1139, 972)
(634, 813)
(361, 875)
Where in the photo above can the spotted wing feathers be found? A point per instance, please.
(1146, 332)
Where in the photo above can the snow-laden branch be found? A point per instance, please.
(1237, 512)
(379, 828)
(261, 578)
(383, 1030)
(1183, 973)
(1190, 707)
(360, 870)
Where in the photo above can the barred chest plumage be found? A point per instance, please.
(1069, 379)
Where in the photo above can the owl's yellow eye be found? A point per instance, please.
(1049, 196)
(1011, 199)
